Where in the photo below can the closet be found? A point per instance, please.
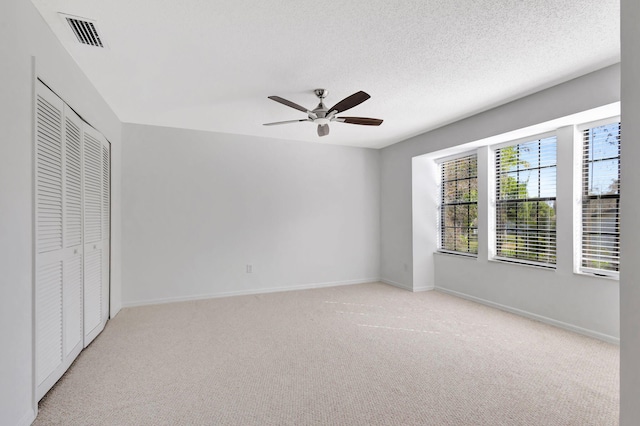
(72, 222)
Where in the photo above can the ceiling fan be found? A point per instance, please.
(322, 115)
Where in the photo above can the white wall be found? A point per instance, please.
(630, 206)
(199, 207)
(538, 292)
(589, 305)
(23, 35)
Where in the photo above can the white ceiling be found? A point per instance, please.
(210, 64)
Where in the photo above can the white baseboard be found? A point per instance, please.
(424, 288)
(114, 310)
(247, 292)
(536, 317)
(406, 287)
(396, 284)
(27, 419)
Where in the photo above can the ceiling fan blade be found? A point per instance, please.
(364, 121)
(350, 101)
(285, 122)
(288, 103)
(323, 129)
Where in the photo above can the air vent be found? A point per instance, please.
(85, 30)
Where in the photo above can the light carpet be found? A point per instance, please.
(367, 354)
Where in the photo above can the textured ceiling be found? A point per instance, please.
(210, 64)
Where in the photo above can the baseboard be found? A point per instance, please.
(424, 288)
(114, 310)
(536, 317)
(27, 419)
(247, 292)
(406, 287)
(396, 284)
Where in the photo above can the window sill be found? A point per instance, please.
(457, 254)
(525, 264)
(594, 275)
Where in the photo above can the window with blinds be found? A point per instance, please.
(459, 205)
(526, 202)
(601, 199)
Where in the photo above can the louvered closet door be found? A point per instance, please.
(58, 238)
(106, 227)
(73, 278)
(96, 166)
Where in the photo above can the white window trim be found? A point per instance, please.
(457, 156)
(531, 138)
(588, 125)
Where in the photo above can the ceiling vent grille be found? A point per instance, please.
(85, 31)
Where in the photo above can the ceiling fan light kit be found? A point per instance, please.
(322, 116)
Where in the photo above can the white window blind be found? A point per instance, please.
(459, 205)
(601, 199)
(526, 202)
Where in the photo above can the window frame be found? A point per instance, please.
(495, 201)
(441, 202)
(583, 196)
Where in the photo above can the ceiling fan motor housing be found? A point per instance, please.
(320, 111)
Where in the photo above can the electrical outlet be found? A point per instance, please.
(249, 269)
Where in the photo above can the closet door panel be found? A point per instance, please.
(73, 306)
(48, 172)
(106, 226)
(73, 253)
(48, 321)
(96, 233)
(92, 187)
(92, 291)
(49, 221)
(73, 180)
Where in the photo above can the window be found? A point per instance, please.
(526, 202)
(601, 199)
(459, 205)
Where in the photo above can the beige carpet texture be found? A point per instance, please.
(368, 354)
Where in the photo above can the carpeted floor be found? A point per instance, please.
(365, 354)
